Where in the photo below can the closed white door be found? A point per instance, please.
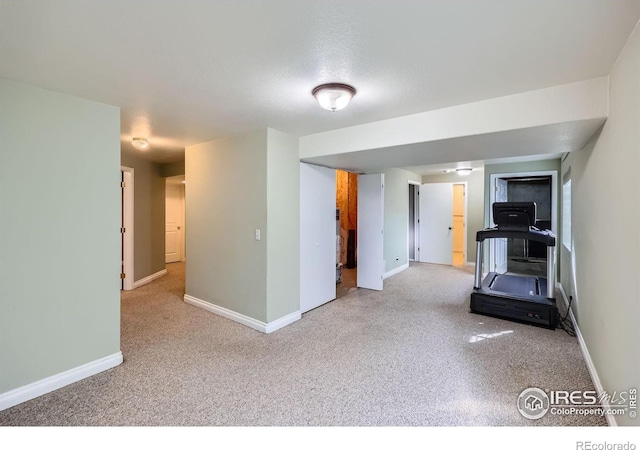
(500, 256)
(317, 236)
(174, 215)
(370, 259)
(436, 223)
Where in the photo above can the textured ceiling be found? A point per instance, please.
(185, 72)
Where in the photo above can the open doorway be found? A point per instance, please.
(320, 254)
(517, 255)
(346, 232)
(175, 248)
(528, 257)
(413, 238)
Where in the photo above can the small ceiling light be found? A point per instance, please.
(464, 171)
(139, 143)
(334, 96)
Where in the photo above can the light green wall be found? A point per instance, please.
(236, 186)
(60, 204)
(226, 201)
(606, 243)
(283, 222)
(475, 203)
(396, 216)
(148, 216)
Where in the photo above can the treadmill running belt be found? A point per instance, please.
(517, 285)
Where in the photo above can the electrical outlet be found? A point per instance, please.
(257, 234)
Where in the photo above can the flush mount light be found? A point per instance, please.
(333, 96)
(464, 171)
(139, 143)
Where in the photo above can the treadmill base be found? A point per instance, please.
(513, 308)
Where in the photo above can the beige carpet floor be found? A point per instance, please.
(410, 355)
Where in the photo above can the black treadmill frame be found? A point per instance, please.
(538, 310)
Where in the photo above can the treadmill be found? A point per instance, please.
(520, 298)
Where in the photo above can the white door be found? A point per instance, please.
(174, 216)
(499, 246)
(436, 223)
(370, 246)
(317, 236)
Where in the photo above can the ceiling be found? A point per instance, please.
(189, 71)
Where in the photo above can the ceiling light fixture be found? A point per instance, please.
(139, 143)
(464, 171)
(334, 96)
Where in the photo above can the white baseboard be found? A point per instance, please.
(241, 318)
(149, 279)
(395, 271)
(611, 420)
(282, 322)
(46, 385)
(470, 263)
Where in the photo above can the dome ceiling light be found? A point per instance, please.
(140, 143)
(334, 96)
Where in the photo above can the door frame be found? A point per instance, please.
(416, 222)
(554, 202)
(128, 208)
(182, 241)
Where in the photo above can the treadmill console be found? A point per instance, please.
(514, 215)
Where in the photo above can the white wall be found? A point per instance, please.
(60, 215)
(605, 263)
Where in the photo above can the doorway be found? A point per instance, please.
(517, 255)
(459, 228)
(320, 252)
(175, 248)
(126, 228)
(346, 232)
(414, 222)
(528, 257)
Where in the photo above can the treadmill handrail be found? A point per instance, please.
(547, 237)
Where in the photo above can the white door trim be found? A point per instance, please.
(554, 198)
(128, 225)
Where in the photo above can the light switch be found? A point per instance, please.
(257, 234)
